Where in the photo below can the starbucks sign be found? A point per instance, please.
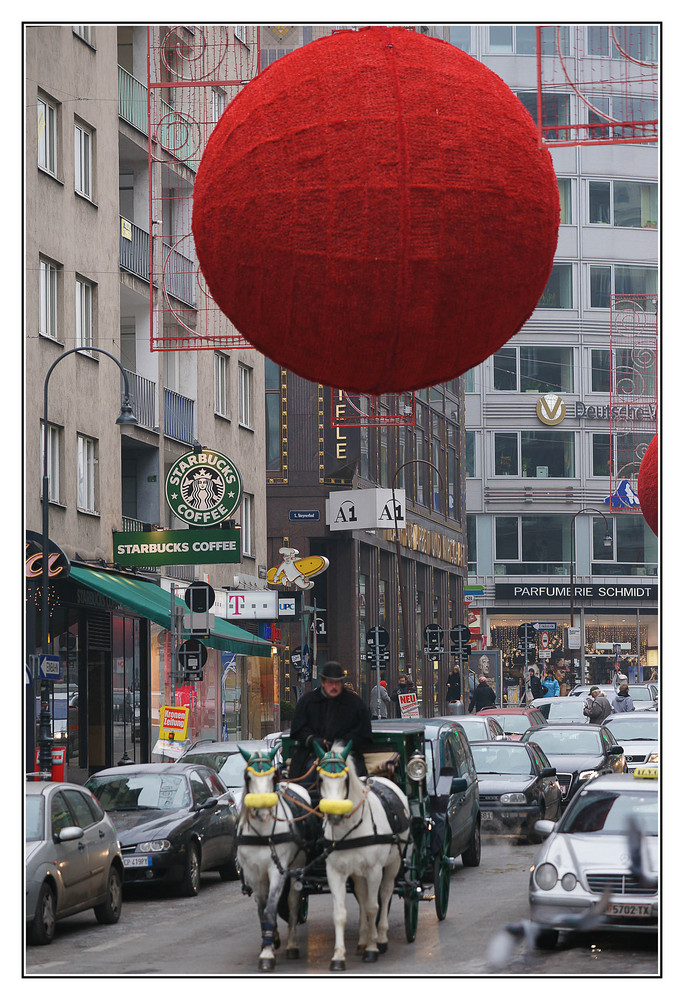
(203, 489)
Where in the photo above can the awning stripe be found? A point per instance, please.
(151, 601)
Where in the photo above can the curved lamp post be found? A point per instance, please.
(607, 542)
(402, 594)
(45, 734)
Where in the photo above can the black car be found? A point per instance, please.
(578, 752)
(173, 821)
(518, 786)
(452, 785)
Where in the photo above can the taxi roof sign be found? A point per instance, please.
(646, 771)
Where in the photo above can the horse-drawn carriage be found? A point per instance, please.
(376, 837)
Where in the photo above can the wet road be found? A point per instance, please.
(216, 934)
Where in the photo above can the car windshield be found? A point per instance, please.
(608, 811)
(631, 727)
(140, 791)
(229, 765)
(514, 759)
(512, 723)
(640, 694)
(35, 817)
(474, 728)
(565, 709)
(572, 741)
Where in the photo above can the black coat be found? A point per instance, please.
(327, 720)
(535, 686)
(483, 697)
(453, 691)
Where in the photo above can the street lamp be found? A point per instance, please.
(402, 592)
(45, 734)
(607, 542)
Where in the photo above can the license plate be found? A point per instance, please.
(141, 861)
(487, 815)
(629, 910)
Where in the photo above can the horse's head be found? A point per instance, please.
(334, 770)
(260, 779)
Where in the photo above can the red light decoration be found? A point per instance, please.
(374, 212)
(647, 485)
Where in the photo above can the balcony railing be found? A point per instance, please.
(143, 399)
(132, 101)
(179, 416)
(134, 249)
(179, 275)
(134, 256)
(174, 132)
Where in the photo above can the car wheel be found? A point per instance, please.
(41, 930)
(190, 884)
(110, 911)
(471, 856)
(547, 939)
(233, 869)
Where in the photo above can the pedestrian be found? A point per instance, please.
(623, 702)
(453, 689)
(534, 686)
(401, 688)
(483, 696)
(550, 686)
(381, 709)
(326, 715)
(597, 707)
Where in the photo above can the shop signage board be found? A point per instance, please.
(304, 515)
(185, 547)
(204, 488)
(408, 704)
(50, 666)
(545, 626)
(173, 722)
(535, 592)
(352, 510)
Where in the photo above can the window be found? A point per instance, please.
(547, 454)
(218, 103)
(244, 395)
(626, 204)
(247, 525)
(83, 151)
(506, 370)
(620, 279)
(507, 542)
(53, 459)
(506, 454)
(47, 135)
(600, 370)
(84, 313)
(459, 35)
(546, 369)
(634, 548)
(470, 455)
(471, 535)
(501, 38)
(565, 195)
(48, 299)
(558, 291)
(555, 112)
(469, 380)
(600, 454)
(86, 474)
(532, 543)
(633, 41)
(221, 384)
(80, 809)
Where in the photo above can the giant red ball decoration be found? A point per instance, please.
(374, 211)
(647, 485)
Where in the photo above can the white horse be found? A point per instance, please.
(362, 845)
(275, 821)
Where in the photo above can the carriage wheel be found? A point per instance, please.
(411, 914)
(442, 878)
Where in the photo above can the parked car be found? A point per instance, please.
(448, 755)
(641, 694)
(638, 733)
(225, 758)
(588, 852)
(515, 720)
(477, 727)
(73, 860)
(561, 709)
(174, 821)
(518, 786)
(578, 752)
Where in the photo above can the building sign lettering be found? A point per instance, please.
(586, 591)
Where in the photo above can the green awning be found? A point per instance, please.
(151, 601)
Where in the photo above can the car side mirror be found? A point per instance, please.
(208, 803)
(548, 772)
(616, 750)
(68, 833)
(458, 785)
(544, 827)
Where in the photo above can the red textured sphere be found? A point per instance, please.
(647, 485)
(374, 213)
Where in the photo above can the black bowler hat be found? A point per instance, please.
(333, 671)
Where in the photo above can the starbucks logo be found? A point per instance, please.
(204, 488)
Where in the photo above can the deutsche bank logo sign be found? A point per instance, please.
(352, 510)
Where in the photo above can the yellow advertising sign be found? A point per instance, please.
(173, 722)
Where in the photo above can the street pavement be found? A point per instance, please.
(217, 934)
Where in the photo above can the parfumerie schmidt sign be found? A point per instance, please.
(588, 591)
(176, 548)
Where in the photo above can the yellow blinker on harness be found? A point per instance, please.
(336, 807)
(263, 800)
(259, 774)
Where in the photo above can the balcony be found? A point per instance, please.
(134, 249)
(174, 132)
(177, 270)
(179, 417)
(143, 400)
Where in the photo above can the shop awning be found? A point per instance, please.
(150, 601)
